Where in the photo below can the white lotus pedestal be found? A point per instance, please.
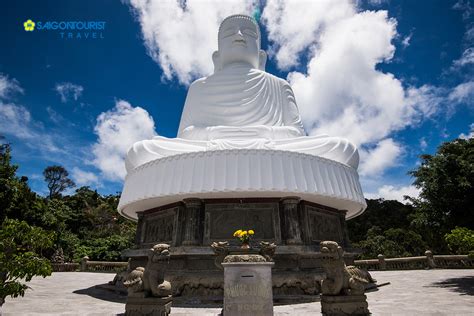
(191, 200)
(242, 173)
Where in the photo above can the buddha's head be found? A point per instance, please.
(239, 42)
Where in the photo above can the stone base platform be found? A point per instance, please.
(190, 226)
(342, 305)
(150, 306)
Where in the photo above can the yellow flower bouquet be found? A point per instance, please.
(244, 236)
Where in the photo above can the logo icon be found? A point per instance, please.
(29, 25)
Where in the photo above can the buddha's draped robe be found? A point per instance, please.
(239, 107)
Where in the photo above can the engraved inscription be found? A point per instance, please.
(324, 226)
(255, 291)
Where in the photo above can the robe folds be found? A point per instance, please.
(241, 108)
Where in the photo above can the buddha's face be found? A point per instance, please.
(239, 42)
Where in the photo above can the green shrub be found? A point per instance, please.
(460, 240)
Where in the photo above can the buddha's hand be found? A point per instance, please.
(243, 132)
(285, 132)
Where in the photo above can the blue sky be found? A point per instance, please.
(402, 69)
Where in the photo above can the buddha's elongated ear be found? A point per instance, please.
(262, 60)
(216, 59)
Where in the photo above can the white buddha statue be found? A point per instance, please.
(241, 106)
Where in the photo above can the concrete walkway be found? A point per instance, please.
(419, 292)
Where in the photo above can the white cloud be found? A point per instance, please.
(465, 7)
(296, 26)
(341, 92)
(389, 192)
(182, 35)
(466, 58)
(406, 40)
(15, 119)
(82, 177)
(423, 143)
(8, 87)
(384, 155)
(68, 91)
(471, 133)
(462, 93)
(117, 130)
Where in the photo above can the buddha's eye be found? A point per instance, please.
(250, 33)
(228, 32)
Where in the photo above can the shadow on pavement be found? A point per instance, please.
(462, 285)
(102, 294)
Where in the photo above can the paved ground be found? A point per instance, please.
(431, 292)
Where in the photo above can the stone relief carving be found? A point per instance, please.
(324, 226)
(160, 229)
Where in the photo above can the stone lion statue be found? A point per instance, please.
(134, 281)
(221, 249)
(151, 280)
(154, 281)
(341, 279)
(267, 250)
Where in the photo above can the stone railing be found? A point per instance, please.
(428, 261)
(90, 266)
(65, 267)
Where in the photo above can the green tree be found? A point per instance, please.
(57, 178)
(446, 180)
(384, 214)
(21, 247)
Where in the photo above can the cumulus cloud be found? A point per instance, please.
(341, 92)
(68, 91)
(117, 130)
(470, 134)
(82, 177)
(384, 155)
(182, 35)
(389, 192)
(296, 26)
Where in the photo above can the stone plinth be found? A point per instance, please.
(295, 226)
(149, 306)
(341, 305)
(247, 286)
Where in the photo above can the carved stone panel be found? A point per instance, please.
(160, 226)
(324, 225)
(223, 219)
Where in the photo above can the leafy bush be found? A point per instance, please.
(394, 242)
(460, 240)
(21, 247)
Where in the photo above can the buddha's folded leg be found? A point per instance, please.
(147, 150)
(334, 148)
